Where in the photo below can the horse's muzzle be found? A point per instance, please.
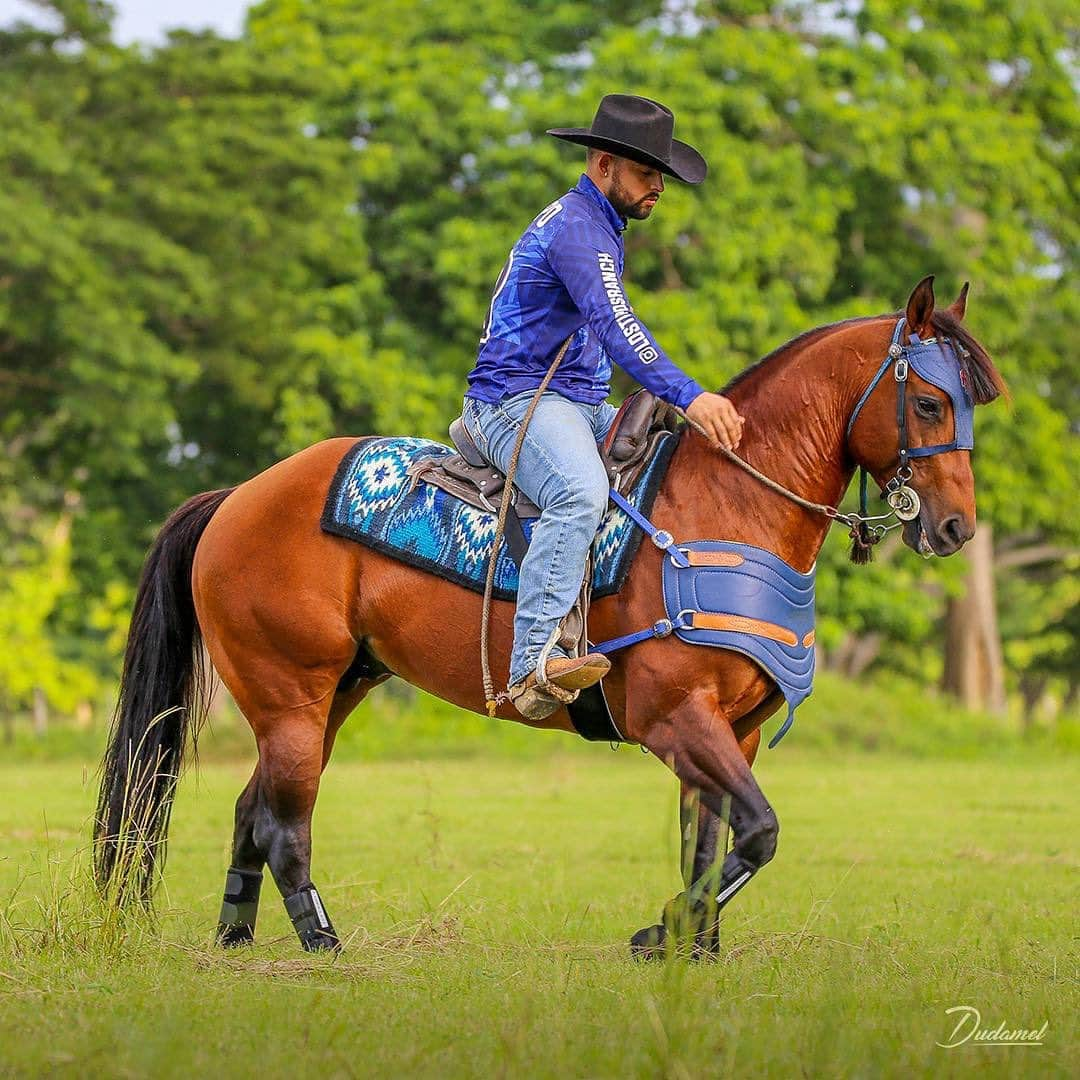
(943, 538)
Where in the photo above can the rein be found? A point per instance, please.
(903, 500)
(831, 512)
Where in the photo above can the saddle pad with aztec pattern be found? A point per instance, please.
(371, 501)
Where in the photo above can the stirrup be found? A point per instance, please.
(536, 704)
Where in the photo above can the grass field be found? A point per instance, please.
(487, 906)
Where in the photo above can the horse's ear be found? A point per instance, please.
(920, 306)
(957, 308)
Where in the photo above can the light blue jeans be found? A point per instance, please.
(560, 470)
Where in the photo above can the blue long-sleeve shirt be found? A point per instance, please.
(564, 277)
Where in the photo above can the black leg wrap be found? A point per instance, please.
(236, 925)
(305, 908)
(690, 925)
(736, 873)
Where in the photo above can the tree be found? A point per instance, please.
(217, 252)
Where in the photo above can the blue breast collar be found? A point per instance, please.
(738, 597)
(749, 601)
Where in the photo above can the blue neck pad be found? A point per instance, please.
(936, 362)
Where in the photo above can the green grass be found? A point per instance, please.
(487, 905)
(398, 722)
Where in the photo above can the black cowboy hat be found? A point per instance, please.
(639, 128)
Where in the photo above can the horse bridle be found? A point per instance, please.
(903, 500)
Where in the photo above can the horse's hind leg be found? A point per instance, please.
(273, 824)
(290, 765)
(273, 827)
(236, 924)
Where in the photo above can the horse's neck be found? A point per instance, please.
(796, 407)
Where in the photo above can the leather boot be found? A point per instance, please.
(566, 675)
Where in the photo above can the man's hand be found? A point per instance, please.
(718, 417)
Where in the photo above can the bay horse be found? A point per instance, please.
(301, 625)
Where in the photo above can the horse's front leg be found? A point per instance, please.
(694, 915)
(718, 791)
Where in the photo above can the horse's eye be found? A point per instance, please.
(928, 408)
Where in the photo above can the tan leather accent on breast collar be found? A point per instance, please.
(714, 558)
(707, 620)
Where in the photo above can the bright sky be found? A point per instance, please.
(147, 20)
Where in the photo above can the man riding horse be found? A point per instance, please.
(302, 623)
(562, 284)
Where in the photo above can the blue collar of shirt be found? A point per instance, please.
(586, 187)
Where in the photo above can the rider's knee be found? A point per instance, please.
(596, 497)
(585, 498)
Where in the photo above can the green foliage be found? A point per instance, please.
(33, 580)
(217, 252)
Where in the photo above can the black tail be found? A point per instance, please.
(163, 695)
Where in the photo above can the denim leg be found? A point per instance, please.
(560, 470)
(602, 417)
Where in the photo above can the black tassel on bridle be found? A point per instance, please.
(863, 538)
(862, 543)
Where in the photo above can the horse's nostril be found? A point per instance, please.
(955, 530)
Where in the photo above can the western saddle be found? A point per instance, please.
(639, 426)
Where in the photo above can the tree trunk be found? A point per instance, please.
(974, 669)
(865, 651)
(41, 713)
(1032, 688)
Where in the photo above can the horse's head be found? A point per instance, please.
(914, 429)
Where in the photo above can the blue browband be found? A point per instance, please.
(935, 361)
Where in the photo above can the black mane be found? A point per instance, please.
(984, 379)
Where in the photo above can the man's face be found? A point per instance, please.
(635, 188)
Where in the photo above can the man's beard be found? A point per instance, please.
(619, 199)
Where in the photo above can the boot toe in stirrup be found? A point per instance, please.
(567, 677)
(533, 703)
(577, 672)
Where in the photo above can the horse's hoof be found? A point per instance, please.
(655, 943)
(231, 937)
(649, 944)
(705, 950)
(320, 941)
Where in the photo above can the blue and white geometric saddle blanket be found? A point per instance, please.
(741, 597)
(372, 500)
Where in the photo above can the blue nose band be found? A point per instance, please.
(936, 362)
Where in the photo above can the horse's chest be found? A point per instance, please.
(747, 600)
